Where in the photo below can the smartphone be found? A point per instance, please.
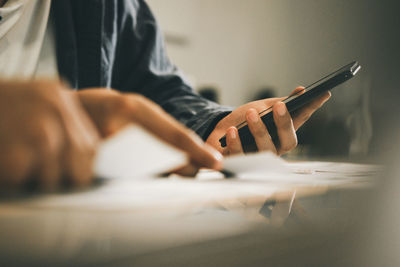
(293, 103)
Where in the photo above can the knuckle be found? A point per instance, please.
(141, 101)
(129, 103)
(46, 138)
(122, 104)
(115, 103)
(136, 99)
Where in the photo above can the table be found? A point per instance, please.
(150, 220)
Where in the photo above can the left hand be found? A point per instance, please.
(111, 111)
(286, 124)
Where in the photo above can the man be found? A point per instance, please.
(108, 44)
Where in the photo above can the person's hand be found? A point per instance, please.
(111, 111)
(46, 138)
(286, 125)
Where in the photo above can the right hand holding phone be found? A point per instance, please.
(286, 124)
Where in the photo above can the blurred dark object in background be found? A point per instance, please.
(324, 138)
(263, 93)
(210, 93)
(343, 128)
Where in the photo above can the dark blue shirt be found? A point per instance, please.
(118, 44)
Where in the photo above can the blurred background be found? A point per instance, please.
(234, 51)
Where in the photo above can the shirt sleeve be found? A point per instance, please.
(143, 67)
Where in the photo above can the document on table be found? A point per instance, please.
(210, 187)
(135, 153)
(131, 158)
(266, 167)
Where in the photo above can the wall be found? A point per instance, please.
(240, 46)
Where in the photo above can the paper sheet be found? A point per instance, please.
(263, 162)
(135, 153)
(209, 187)
(267, 167)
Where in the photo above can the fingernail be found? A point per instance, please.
(253, 116)
(328, 95)
(232, 133)
(218, 157)
(281, 109)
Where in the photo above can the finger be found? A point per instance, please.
(298, 90)
(103, 107)
(189, 170)
(271, 101)
(284, 124)
(76, 163)
(48, 151)
(81, 143)
(233, 144)
(78, 116)
(259, 131)
(154, 119)
(303, 114)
